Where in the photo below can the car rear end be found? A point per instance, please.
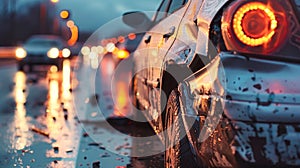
(256, 74)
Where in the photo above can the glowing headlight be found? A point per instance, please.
(66, 53)
(20, 53)
(53, 53)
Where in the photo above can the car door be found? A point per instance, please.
(141, 58)
(152, 51)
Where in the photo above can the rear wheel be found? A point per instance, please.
(172, 76)
(178, 149)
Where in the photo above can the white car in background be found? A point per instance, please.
(42, 50)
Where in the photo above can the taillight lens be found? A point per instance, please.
(255, 26)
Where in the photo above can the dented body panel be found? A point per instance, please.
(236, 109)
(261, 111)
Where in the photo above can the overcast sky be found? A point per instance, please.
(91, 14)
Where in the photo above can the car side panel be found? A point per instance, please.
(150, 56)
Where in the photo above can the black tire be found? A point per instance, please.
(172, 76)
(178, 149)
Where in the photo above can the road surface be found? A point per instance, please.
(52, 119)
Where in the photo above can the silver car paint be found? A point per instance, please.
(151, 56)
(261, 112)
(264, 116)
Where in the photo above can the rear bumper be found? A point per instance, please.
(252, 112)
(267, 143)
(248, 89)
(259, 99)
(40, 61)
(265, 135)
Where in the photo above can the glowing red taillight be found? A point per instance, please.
(255, 26)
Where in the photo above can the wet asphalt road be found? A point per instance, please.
(51, 119)
(36, 118)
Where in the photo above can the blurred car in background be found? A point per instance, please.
(228, 73)
(42, 50)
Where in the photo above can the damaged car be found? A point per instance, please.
(217, 80)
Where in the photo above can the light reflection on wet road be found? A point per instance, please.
(38, 126)
(19, 122)
(110, 141)
(41, 127)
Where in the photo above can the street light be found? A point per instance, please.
(54, 1)
(74, 32)
(70, 24)
(64, 14)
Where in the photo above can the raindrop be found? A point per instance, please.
(66, 116)
(69, 151)
(228, 97)
(105, 155)
(96, 164)
(103, 148)
(93, 144)
(245, 89)
(267, 90)
(56, 149)
(257, 86)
